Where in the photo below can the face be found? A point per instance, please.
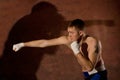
(73, 33)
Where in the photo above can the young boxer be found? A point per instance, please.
(87, 49)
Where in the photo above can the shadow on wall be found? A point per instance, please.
(44, 22)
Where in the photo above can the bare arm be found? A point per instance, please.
(41, 43)
(45, 43)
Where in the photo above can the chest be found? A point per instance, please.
(84, 49)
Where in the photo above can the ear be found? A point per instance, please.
(80, 33)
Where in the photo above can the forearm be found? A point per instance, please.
(88, 66)
(36, 43)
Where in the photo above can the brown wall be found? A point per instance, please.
(101, 16)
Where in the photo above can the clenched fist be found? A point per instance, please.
(18, 46)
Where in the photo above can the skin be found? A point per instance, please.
(87, 62)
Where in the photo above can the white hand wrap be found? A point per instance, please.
(92, 72)
(75, 47)
(18, 46)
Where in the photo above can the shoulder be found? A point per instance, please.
(91, 41)
(94, 44)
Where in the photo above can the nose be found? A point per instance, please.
(69, 35)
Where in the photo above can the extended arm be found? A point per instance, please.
(41, 43)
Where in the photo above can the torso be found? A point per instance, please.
(84, 46)
(100, 64)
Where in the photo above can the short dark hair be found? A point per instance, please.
(77, 23)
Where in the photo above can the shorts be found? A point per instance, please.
(101, 75)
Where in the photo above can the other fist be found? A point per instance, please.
(75, 47)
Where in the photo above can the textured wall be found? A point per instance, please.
(18, 23)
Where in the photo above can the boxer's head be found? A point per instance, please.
(75, 29)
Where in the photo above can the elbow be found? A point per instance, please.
(90, 68)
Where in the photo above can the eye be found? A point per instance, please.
(71, 32)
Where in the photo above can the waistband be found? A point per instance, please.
(86, 74)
